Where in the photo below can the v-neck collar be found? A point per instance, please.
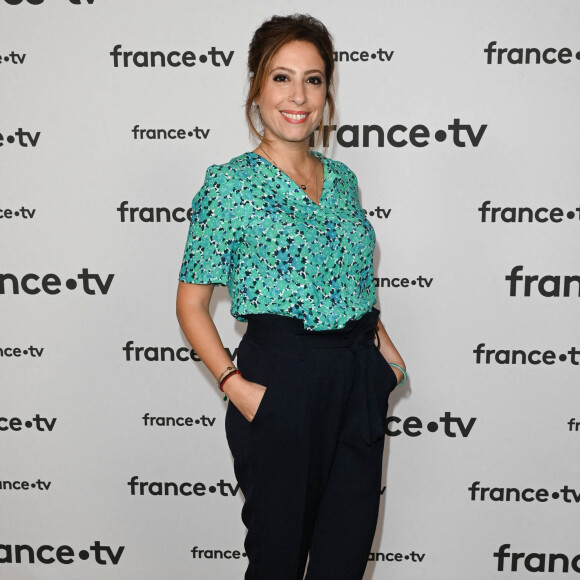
(296, 189)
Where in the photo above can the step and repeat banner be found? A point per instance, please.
(461, 120)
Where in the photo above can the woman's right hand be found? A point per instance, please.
(245, 395)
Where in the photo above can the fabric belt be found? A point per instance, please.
(357, 337)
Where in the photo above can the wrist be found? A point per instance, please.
(232, 385)
(402, 370)
(226, 372)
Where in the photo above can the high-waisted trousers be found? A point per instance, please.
(310, 462)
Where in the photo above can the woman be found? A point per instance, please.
(284, 229)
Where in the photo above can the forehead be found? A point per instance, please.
(298, 54)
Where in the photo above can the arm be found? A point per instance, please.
(389, 351)
(197, 324)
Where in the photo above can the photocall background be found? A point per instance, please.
(86, 394)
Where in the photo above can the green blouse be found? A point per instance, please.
(255, 230)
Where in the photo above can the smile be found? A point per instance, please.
(294, 117)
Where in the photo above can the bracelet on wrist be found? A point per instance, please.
(403, 371)
(224, 372)
(230, 374)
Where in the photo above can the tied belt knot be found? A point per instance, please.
(372, 425)
(362, 339)
(360, 342)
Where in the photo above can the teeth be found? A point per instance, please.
(295, 117)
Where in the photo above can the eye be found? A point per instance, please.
(316, 80)
(280, 78)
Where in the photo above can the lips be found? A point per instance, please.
(295, 117)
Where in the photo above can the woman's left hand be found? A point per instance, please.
(398, 374)
(388, 350)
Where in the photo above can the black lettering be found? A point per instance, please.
(354, 130)
(12, 279)
(24, 548)
(568, 281)
(378, 130)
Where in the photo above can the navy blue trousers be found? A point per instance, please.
(310, 462)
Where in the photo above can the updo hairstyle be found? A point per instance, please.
(268, 39)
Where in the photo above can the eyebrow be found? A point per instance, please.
(290, 70)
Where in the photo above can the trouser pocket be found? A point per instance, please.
(387, 373)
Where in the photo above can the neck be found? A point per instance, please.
(292, 156)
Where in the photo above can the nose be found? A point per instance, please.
(298, 96)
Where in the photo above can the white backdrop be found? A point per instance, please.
(82, 367)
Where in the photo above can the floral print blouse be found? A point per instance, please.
(255, 230)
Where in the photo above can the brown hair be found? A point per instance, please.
(269, 38)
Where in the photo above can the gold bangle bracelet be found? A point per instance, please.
(224, 372)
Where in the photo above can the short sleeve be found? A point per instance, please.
(353, 186)
(211, 240)
(349, 183)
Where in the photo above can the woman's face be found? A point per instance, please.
(294, 94)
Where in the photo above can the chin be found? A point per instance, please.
(296, 136)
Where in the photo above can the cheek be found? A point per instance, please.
(320, 103)
(268, 100)
(318, 98)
